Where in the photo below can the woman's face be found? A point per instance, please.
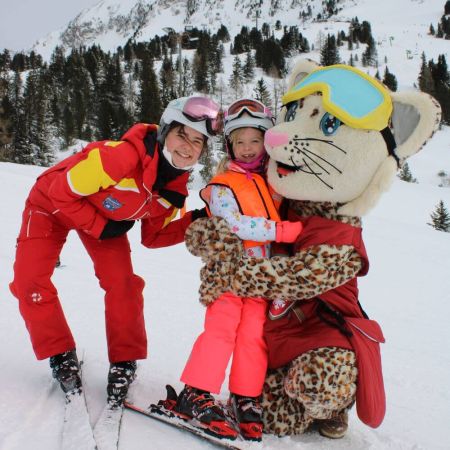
(248, 145)
(185, 145)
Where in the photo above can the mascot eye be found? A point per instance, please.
(291, 111)
(329, 124)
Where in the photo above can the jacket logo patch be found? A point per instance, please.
(111, 204)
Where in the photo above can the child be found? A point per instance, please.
(234, 325)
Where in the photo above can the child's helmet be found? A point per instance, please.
(247, 112)
(200, 113)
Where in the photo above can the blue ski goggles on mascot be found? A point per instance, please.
(355, 98)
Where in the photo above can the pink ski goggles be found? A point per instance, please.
(197, 109)
(252, 107)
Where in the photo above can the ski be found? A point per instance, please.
(163, 412)
(107, 428)
(77, 430)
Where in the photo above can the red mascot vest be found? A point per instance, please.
(295, 334)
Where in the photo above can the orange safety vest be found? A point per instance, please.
(253, 195)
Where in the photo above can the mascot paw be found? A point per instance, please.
(212, 239)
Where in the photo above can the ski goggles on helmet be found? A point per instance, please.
(246, 105)
(352, 96)
(198, 109)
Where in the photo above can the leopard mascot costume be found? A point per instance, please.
(339, 140)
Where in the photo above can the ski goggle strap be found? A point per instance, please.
(198, 109)
(253, 107)
(352, 96)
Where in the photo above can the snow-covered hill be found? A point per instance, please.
(400, 28)
(407, 290)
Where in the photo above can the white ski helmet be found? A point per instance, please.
(247, 112)
(200, 113)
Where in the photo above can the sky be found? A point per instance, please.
(22, 22)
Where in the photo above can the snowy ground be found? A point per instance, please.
(407, 290)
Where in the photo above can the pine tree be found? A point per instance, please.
(261, 92)
(440, 218)
(425, 80)
(167, 81)
(329, 54)
(390, 80)
(440, 82)
(249, 68)
(236, 78)
(186, 80)
(149, 101)
(68, 126)
(207, 171)
(369, 57)
(406, 175)
(447, 7)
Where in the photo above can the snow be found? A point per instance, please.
(407, 291)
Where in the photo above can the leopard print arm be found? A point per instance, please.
(212, 239)
(309, 273)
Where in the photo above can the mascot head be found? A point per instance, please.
(341, 136)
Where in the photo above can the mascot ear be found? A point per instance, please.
(302, 68)
(415, 118)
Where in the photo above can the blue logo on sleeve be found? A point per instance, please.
(111, 204)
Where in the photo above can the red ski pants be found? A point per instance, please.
(233, 325)
(39, 244)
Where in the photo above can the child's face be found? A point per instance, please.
(185, 145)
(248, 145)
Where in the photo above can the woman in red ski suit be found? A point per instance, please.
(100, 193)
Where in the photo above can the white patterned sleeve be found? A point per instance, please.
(223, 204)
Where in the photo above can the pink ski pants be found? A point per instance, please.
(233, 325)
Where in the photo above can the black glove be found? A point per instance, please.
(114, 228)
(198, 214)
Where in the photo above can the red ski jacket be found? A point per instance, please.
(114, 180)
(291, 336)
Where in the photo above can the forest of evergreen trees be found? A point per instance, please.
(89, 94)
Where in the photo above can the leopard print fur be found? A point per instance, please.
(314, 386)
(323, 380)
(282, 415)
(220, 249)
(307, 274)
(211, 239)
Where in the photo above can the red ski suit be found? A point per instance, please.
(107, 180)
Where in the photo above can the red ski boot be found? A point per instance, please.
(248, 413)
(196, 404)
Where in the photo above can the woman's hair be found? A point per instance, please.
(179, 126)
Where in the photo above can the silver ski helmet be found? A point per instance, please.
(200, 113)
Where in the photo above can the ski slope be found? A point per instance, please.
(407, 290)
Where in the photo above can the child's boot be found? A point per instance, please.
(196, 404)
(248, 413)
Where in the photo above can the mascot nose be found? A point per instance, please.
(275, 139)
